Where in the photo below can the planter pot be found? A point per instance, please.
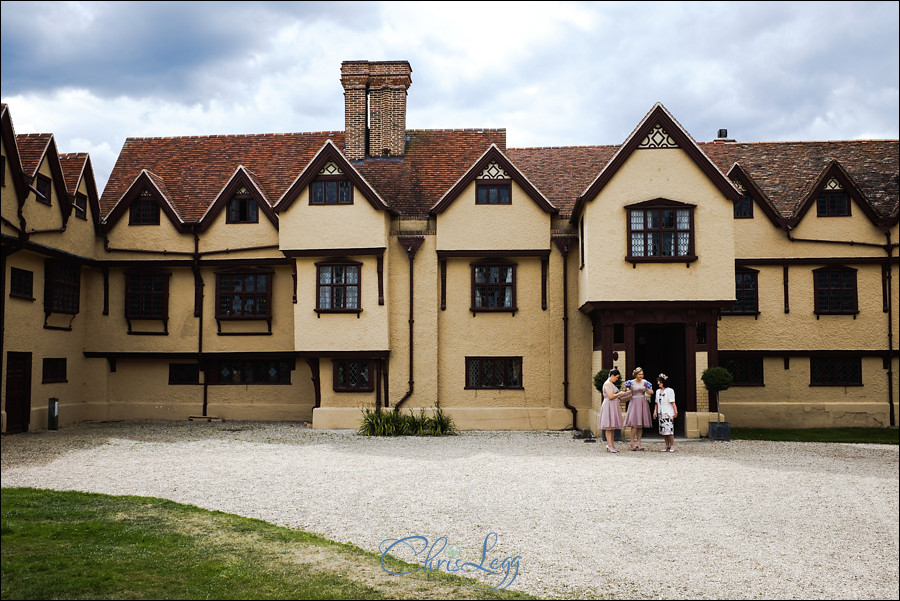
(719, 431)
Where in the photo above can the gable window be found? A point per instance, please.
(54, 370)
(80, 205)
(835, 290)
(242, 209)
(337, 286)
(146, 295)
(743, 208)
(21, 283)
(493, 286)
(746, 292)
(833, 203)
(42, 184)
(835, 371)
(244, 295)
(493, 193)
(62, 285)
(660, 230)
(494, 372)
(144, 210)
(331, 190)
(354, 376)
(747, 371)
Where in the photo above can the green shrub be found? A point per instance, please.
(378, 422)
(717, 379)
(600, 379)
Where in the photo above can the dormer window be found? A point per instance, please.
(660, 230)
(242, 208)
(80, 205)
(833, 203)
(330, 191)
(42, 184)
(144, 210)
(492, 193)
(743, 208)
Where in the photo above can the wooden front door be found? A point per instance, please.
(18, 392)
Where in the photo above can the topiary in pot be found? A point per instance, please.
(717, 379)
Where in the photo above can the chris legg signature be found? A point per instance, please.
(507, 568)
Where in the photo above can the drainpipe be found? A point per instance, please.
(890, 332)
(563, 245)
(198, 312)
(411, 244)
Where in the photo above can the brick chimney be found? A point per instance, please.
(375, 108)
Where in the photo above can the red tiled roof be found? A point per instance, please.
(72, 167)
(787, 171)
(31, 151)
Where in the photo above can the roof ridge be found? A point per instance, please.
(213, 136)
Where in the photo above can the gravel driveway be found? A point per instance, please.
(744, 519)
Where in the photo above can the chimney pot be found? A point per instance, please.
(723, 133)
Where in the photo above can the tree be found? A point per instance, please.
(716, 379)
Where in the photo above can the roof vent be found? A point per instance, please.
(723, 133)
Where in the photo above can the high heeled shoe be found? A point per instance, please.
(611, 450)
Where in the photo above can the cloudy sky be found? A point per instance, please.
(551, 73)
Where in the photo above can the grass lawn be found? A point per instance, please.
(73, 545)
(859, 435)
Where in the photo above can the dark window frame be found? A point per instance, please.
(242, 208)
(44, 186)
(144, 210)
(649, 232)
(746, 371)
(341, 367)
(320, 190)
(226, 288)
(833, 203)
(184, 374)
(54, 370)
(493, 192)
(499, 367)
(839, 366)
(329, 266)
(239, 369)
(59, 277)
(21, 283)
(80, 206)
(146, 296)
(746, 293)
(835, 292)
(743, 207)
(480, 303)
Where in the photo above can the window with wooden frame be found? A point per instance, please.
(493, 286)
(493, 192)
(62, 287)
(184, 373)
(244, 294)
(242, 208)
(249, 371)
(835, 371)
(835, 291)
(21, 283)
(354, 375)
(338, 286)
(147, 295)
(659, 231)
(43, 185)
(743, 208)
(746, 371)
(746, 292)
(833, 203)
(331, 190)
(144, 210)
(54, 370)
(80, 205)
(494, 372)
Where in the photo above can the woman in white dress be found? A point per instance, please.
(667, 411)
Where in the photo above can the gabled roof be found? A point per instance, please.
(736, 174)
(836, 172)
(493, 155)
(12, 150)
(33, 149)
(330, 153)
(76, 166)
(153, 184)
(787, 172)
(241, 178)
(658, 117)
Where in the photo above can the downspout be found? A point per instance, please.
(890, 332)
(198, 312)
(411, 244)
(563, 245)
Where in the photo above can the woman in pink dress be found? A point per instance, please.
(637, 417)
(610, 412)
